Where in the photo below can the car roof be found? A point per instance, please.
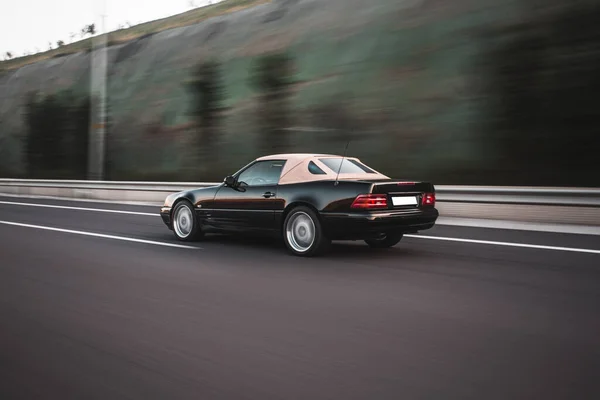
(295, 156)
(296, 168)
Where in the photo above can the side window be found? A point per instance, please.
(262, 173)
(315, 170)
(348, 166)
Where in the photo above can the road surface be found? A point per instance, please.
(99, 305)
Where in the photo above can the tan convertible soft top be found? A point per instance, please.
(296, 168)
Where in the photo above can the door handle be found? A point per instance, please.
(268, 194)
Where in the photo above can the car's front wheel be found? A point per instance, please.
(386, 240)
(303, 234)
(185, 224)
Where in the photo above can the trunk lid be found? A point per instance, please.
(402, 193)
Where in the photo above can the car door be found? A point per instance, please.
(252, 203)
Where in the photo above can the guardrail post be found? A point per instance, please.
(97, 134)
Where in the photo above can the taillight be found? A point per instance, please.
(428, 199)
(370, 201)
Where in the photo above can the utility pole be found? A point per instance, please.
(98, 72)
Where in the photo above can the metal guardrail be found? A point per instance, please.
(575, 197)
(580, 206)
(104, 185)
(589, 197)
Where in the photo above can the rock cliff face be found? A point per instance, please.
(418, 86)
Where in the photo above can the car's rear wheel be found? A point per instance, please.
(386, 240)
(303, 234)
(185, 224)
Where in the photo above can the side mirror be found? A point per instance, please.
(230, 181)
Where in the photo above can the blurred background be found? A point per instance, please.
(494, 92)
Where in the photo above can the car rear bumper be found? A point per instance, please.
(364, 225)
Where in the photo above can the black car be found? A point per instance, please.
(308, 200)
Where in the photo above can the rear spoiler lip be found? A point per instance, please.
(402, 183)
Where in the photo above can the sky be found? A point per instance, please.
(29, 24)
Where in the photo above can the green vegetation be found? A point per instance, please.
(491, 92)
(137, 31)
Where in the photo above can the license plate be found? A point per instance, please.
(405, 201)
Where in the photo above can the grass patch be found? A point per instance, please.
(137, 31)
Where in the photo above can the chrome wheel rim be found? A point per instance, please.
(300, 232)
(183, 222)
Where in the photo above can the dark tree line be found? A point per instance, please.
(545, 91)
(208, 92)
(57, 135)
(273, 77)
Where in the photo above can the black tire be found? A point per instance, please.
(298, 241)
(182, 216)
(386, 241)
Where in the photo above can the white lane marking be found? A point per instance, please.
(529, 246)
(519, 226)
(15, 203)
(100, 235)
(81, 200)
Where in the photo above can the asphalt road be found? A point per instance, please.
(102, 317)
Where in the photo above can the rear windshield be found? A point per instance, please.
(348, 166)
